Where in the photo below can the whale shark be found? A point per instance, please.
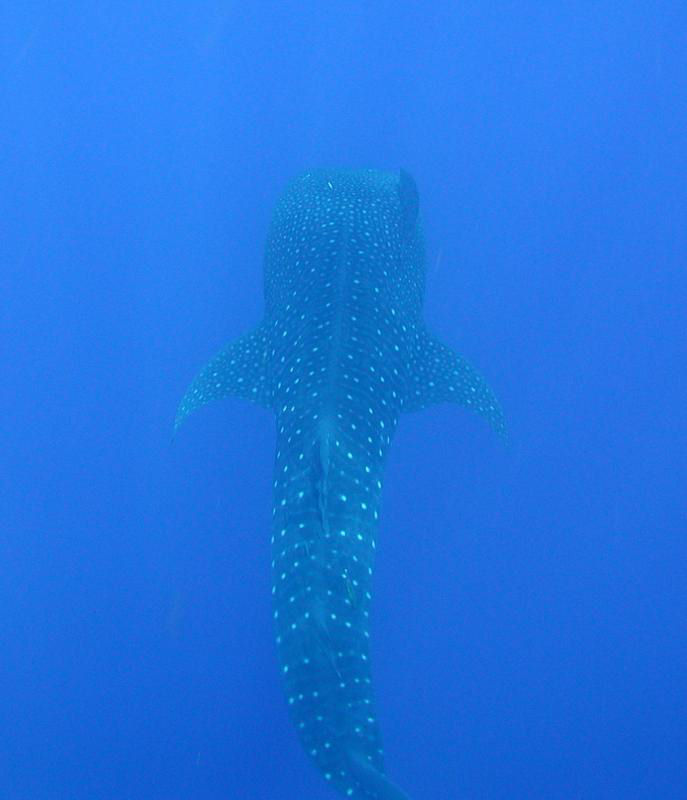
(341, 353)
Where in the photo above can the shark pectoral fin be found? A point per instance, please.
(440, 375)
(240, 370)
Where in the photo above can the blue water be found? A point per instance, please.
(529, 632)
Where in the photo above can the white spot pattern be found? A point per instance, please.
(341, 352)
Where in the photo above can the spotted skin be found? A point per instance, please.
(341, 352)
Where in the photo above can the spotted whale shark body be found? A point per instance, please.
(341, 352)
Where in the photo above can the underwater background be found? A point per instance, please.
(529, 632)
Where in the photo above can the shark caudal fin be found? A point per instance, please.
(372, 780)
(440, 375)
(240, 370)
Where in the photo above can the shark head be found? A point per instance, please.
(370, 211)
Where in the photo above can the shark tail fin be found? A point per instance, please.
(239, 370)
(372, 780)
(438, 375)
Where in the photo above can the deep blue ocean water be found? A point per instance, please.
(530, 611)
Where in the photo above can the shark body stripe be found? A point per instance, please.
(341, 352)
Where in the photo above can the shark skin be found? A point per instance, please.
(341, 352)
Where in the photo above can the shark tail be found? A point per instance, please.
(372, 781)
